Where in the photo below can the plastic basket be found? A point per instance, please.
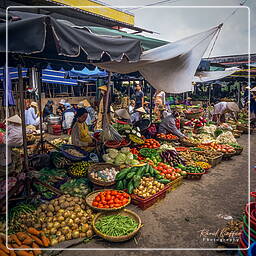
(147, 202)
(72, 157)
(174, 184)
(195, 176)
(238, 151)
(214, 161)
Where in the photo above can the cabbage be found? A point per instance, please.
(112, 153)
(106, 157)
(125, 150)
(120, 159)
(128, 161)
(110, 161)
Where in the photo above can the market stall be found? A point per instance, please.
(76, 194)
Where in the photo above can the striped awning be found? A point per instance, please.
(48, 76)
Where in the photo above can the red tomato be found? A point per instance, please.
(95, 204)
(108, 197)
(113, 193)
(97, 198)
(111, 206)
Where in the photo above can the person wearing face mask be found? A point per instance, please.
(80, 135)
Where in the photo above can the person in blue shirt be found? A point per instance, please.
(31, 116)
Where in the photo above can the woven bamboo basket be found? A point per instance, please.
(90, 197)
(117, 239)
(98, 167)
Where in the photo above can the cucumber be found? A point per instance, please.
(164, 181)
(130, 175)
(121, 175)
(130, 187)
(141, 170)
(147, 169)
(119, 185)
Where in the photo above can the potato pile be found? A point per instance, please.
(148, 187)
(65, 218)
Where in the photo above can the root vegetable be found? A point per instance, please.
(33, 231)
(54, 241)
(28, 241)
(4, 248)
(36, 252)
(61, 239)
(15, 239)
(89, 233)
(68, 236)
(37, 240)
(3, 253)
(75, 234)
(45, 240)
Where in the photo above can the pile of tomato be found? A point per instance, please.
(223, 148)
(110, 199)
(151, 143)
(166, 136)
(169, 172)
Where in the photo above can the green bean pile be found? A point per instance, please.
(116, 225)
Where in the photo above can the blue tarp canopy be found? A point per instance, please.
(88, 73)
(48, 76)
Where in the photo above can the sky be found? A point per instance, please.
(176, 20)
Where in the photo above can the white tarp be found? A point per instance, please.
(206, 76)
(171, 67)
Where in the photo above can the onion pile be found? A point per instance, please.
(106, 175)
(65, 218)
(148, 187)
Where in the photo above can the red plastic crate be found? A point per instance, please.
(147, 202)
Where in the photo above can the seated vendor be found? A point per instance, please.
(80, 136)
(137, 115)
(122, 116)
(168, 125)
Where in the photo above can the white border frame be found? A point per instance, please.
(249, 135)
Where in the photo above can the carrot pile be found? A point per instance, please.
(32, 239)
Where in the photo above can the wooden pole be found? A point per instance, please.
(22, 110)
(40, 109)
(105, 121)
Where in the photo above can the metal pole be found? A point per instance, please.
(40, 109)
(22, 110)
(151, 103)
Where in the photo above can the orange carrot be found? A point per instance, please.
(22, 236)
(36, 252)
(45, 240)
(33, 231)
(3, 248)
(2, 253)
(37, 240)
(12, 253)
(24, 253)
(15, 239)
(28, 241)
(24, 246)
